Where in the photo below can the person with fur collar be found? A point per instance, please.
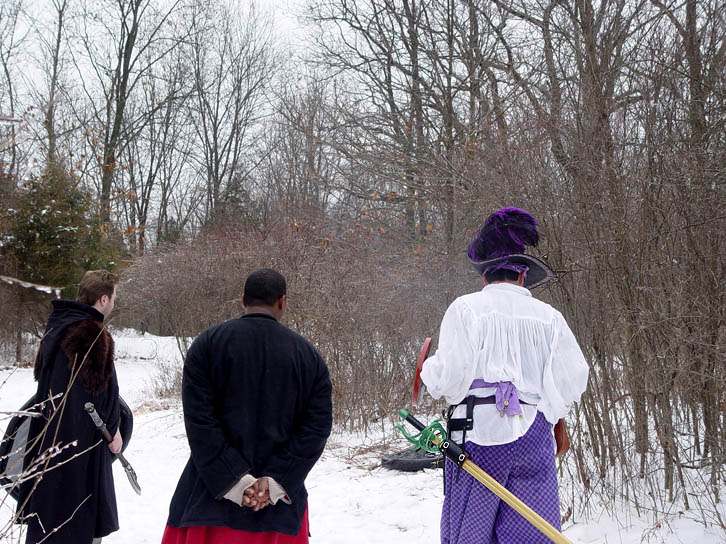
(69, 494)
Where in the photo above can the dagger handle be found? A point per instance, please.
(98, 422)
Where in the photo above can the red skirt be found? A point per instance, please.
(225, 535)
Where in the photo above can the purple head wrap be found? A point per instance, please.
(505, 232)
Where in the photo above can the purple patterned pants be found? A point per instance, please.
(474, 515)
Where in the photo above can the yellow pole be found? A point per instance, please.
(525, 511)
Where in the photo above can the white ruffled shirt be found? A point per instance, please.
(502, 333)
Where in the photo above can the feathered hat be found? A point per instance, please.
(500, 243)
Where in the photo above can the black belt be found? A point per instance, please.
(467, 423)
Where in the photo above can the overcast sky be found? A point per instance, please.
(285, 14)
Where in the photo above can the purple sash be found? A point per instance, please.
(506, 397)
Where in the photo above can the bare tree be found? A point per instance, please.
(301, 167)
(376, 45)
(10, 42)
(120, 50)
(231, 62)
(55, 58)
(153, 148)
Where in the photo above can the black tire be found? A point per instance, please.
(412, 460)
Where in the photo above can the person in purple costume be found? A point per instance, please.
(510, 367)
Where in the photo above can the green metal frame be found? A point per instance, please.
(428, 439)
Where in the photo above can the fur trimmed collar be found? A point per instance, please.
(88, 344)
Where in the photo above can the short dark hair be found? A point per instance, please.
(501, 274)
(264, 287)
(94, 284)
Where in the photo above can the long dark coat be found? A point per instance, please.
(72, 491)
(257, 399)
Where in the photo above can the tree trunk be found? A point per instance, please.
(19, 344)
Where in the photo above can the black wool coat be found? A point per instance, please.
(257, 400)
(73, 490)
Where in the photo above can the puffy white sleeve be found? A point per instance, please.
(564, 379)
(450, 371)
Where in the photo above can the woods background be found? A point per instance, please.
(186, 142)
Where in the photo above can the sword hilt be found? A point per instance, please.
(408, 416)
(432, 438)
(98, 422)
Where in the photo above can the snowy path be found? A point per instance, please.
(350, 503)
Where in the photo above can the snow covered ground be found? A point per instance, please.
(352, 500)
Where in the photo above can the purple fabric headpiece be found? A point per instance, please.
(505, 232)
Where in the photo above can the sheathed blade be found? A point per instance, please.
(422, 356)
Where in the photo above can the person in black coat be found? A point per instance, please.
(69, 495)
(257, 410)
